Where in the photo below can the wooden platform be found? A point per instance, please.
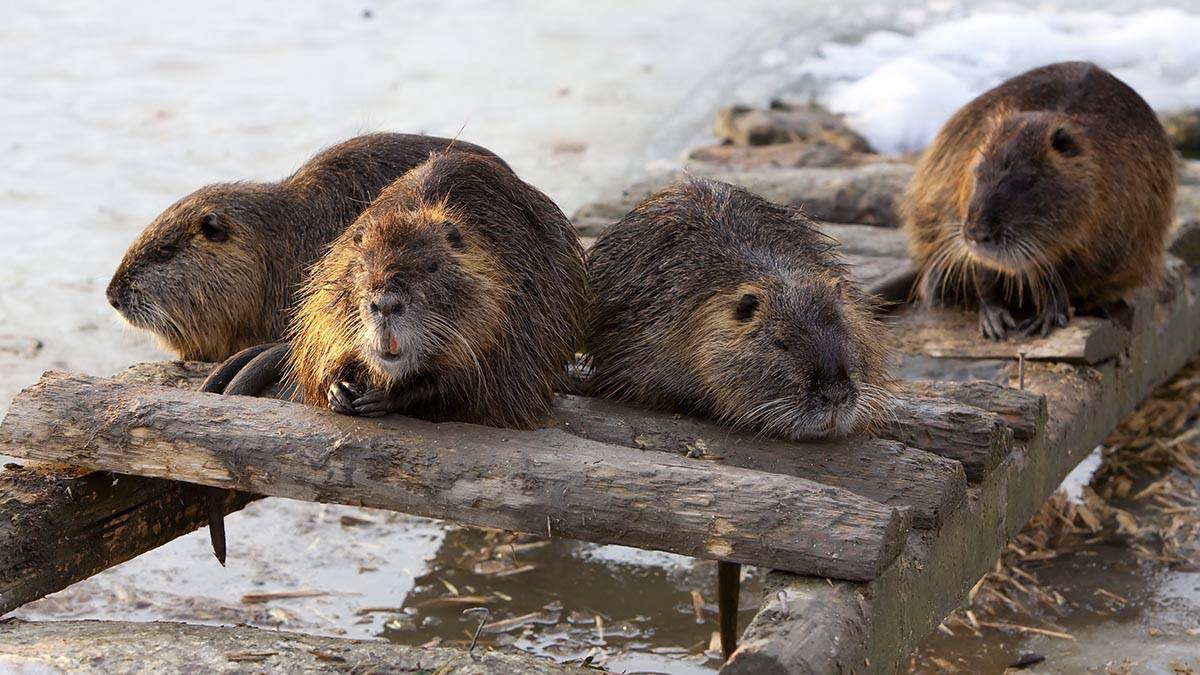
(891, 531)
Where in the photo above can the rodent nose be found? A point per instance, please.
(837, 394)
(388, 304)
(113, 293)
(980, 230)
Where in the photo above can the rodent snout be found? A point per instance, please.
(388, 304)
(980, 230)
(115, 292)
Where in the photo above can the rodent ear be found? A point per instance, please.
(454, 236)
(746, 307)
(1063, 143)
(210, 226)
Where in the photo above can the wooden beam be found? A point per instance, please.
(180, 649)
(872, 627)
(975, 437)
(58, 527)
(884, 471)
(1023, 411)
(541, 481)
(945, 333)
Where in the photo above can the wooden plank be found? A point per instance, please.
(104, 647)
(533, 481)
(884, 471)
(975, 437)
(945, 333)
(873, 627)
(58, 527)
(1024, 412)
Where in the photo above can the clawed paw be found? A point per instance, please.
(342, 396)
(995, 321)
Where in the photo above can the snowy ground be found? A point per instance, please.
(111, 111)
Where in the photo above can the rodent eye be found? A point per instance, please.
(1063, 143)
(433, 267)
(165, 253)
(211, 226)
(781, 345)
(746, 307)
(454, 237)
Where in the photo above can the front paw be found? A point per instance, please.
(1053, 315)
(341, 396)
(376, 403)
(995, 321)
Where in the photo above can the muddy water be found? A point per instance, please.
(110, 111)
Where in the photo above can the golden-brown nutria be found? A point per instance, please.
(1055, 188)
(218, 270)
(710, 300)
(457, 295)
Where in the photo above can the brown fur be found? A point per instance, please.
(493, 326)
(1066, 170)
(668, 328)
(206, 299)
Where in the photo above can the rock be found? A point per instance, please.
(791, 155)
(787, 123)
(1183, 128)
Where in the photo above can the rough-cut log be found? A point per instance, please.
(57, 527)
(884, 471)
(975, 437)
(1022, 411)
(946, 333)
(118, 647)
(538, 481)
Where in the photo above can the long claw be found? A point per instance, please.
(341, 398)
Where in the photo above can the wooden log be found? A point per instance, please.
(535, 481)
(1022, 411)
(946, 333)
(885, 471)
(58, 527)
(107, 647)
(977, 438)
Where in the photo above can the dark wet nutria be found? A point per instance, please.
(218, 270)
(1053, 189)
(459, 294)
(709, 300)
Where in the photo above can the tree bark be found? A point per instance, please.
(535, 481)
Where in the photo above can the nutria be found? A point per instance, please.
(218, 270)
(709, 300)
(1053, 189)
(459, 294)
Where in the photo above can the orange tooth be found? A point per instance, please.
(393, 344)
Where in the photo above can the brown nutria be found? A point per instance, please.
(218, 270)
(710, 300)
(458, 294)
(1053, 189)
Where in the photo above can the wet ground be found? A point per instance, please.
(109, 112)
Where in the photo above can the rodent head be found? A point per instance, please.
(422, 291)
(196, 276)
(794, 356)
(1029, 193)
